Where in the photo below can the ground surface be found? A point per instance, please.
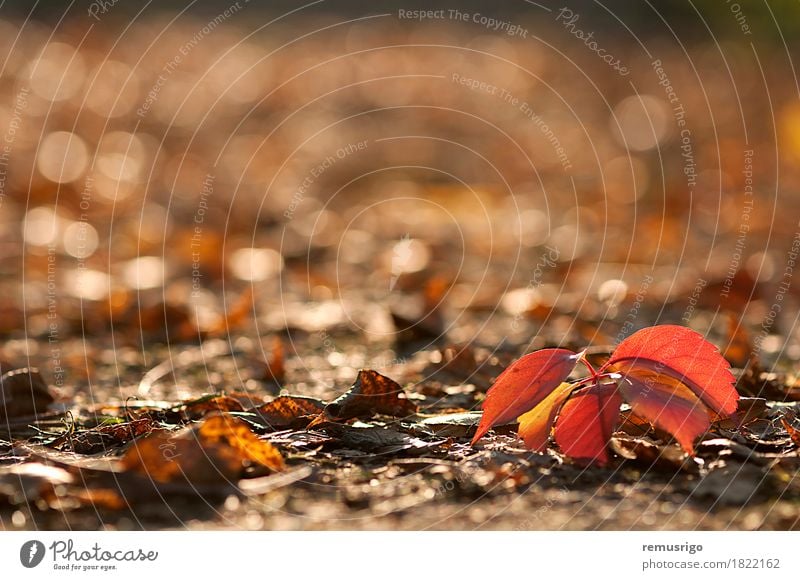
(371, 471)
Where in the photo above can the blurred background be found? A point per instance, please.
(342, 185)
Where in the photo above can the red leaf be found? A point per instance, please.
(671, 407)
(535, 425)
(524, 384)
(586, 423)
(684, 355)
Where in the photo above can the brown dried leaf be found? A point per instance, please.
(793, 432)
(739, 291)
(751, 408)
(634, 425)
(23, 392)
(102, 438)
(766, 435)
(216, 451)
(426, 324)
(165, 322)
(290, 411)
(648, 454)
(739, 349)
(167, 458)
(377, 440)
(372, 393)
(453, 424)
(224, 429)
(275, 367)
(206, 404)
(235, 315)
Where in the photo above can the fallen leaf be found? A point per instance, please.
(739, 349)
(164, 322)
(452, 424)
(235, 315)
(751, 408)
(524, 384)
(107, 437)
(424, 324)
(671, 407)
(213, 403)
(648, 454)
(633, 424)
(170, 457)
(290, 411)
(23, 392)
(275, 366)
(376, 440)
(218, 450)
(793, 432)
(738, 291)
(682, 354)
(669, 375)
(536, 424)
(225, 429)
(586, 423)
(372, 393)
(766, 435)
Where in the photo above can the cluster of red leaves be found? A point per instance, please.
(670, 376)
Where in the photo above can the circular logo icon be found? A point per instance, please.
(31, 553)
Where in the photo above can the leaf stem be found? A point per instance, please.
(595, 379)
(589, 366)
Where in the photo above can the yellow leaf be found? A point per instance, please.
(535, 425)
